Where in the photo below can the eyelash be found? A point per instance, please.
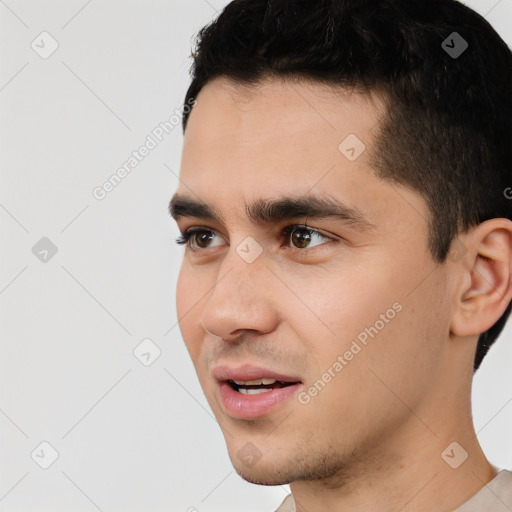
(184, 238)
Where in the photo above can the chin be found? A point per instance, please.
(262, 474)
(323, 465)
(259, 464)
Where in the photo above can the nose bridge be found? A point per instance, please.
(244, 267)
(238, 300)
(238, 281)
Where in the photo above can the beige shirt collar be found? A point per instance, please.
(496, 496)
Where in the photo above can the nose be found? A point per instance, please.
(241, 300)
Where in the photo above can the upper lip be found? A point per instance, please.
(249, 372)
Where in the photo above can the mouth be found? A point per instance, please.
(258, 386)
(251, 392)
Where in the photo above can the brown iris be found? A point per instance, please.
(298, 238)
(204, 237)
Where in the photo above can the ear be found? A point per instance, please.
(485, 288)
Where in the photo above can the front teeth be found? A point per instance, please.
(256, 382)
(245, 391)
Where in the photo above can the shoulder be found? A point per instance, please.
(495, 496)
(288, 505)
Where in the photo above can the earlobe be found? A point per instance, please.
(486, 278)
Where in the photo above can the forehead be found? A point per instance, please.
(255, 132)
(286, 119)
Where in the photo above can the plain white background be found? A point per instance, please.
(129, 435)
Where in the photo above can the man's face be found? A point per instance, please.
(353, 316)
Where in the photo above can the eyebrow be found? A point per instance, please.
(267, 211)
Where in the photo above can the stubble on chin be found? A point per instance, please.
(328, 466)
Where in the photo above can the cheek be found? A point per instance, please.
(385, 326)
(183, 294)
(188, 309)
(342, 306)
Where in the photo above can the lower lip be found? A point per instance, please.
(248, 407)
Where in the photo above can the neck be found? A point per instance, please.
(418, 479)
(411, 469)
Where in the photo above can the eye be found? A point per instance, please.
(301, 236)
(191, 235)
